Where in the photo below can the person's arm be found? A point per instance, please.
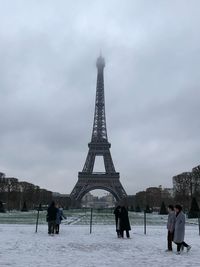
(62, 215)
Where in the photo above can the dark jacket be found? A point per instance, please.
(51, 213)
(124, 220)
(117, 214)
(59, 216)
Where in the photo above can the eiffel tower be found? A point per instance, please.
(99, 146)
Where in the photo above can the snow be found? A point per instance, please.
(75, 246)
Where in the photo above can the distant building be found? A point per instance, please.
(87, 200)
(91, 201)
(153, 197)
(109, 198)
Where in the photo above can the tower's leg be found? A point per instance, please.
(89, 163)
(109, 166)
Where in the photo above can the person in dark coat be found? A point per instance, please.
(170, 226)
(179, 231)
(124, 222)
(51, 217)
(59, 218)
(117, 211)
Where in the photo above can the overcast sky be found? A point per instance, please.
(48, 51)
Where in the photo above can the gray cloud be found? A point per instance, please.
(48, 80)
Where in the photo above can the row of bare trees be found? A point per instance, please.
(14, 194)
(187, 186)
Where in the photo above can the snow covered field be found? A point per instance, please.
(20, 246)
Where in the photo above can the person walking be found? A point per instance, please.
(51, 217)
(179, 230)
(124, 222)
(170, 226)
(59, 218)
(117, 211)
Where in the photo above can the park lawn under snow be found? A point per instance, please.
(20, 246)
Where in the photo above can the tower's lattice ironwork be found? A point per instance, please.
(99, 146)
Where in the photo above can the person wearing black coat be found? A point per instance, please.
(124, 222)
(51, 217)
(117, 211)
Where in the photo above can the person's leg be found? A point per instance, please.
(122, 233)
(52, 227)
(127, 234)
(186, 245)
(178, 247)
(58, 228)
(169, 240)
(49, 228)
(118, 233)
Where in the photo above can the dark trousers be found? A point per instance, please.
(51, 227)
(118, 233)
(179, 245)
(170, 237)
(127, 233)
(57, 228)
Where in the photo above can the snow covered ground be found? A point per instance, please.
(20, 246)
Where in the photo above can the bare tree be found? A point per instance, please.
(196, 182)
(153, 197)
(140, 200)
(183, 188)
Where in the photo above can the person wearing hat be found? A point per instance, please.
(179, 230)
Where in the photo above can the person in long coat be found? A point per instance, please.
(124, 222)
(117, 211)
(179, 230)
(59, 218)
(51, 217)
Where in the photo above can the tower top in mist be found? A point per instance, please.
(100, 62)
